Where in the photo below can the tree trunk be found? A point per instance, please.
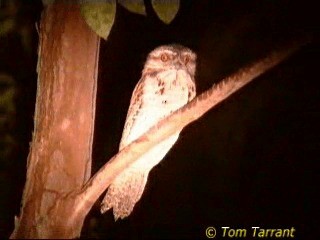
(59, 161)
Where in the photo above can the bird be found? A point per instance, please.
(167, 83)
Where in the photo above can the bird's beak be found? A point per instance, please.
(179, 65)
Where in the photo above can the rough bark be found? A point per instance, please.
(59, 161)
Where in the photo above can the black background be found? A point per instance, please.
(251, 161)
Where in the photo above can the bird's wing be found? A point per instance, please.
(153, 99)
(133, 111)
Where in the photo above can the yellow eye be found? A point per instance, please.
(164, 57)
(186, 59)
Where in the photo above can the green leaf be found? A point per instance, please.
(166, 9)
(47, 2)
(99, 16)
(7, 26)
(135, 6)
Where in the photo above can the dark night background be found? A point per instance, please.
(249, 162)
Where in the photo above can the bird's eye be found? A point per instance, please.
(186, 59)
(164, 57)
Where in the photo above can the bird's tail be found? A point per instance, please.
(125, 191)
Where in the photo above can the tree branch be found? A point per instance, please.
(173, 123)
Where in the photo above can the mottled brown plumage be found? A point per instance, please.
(167, 83)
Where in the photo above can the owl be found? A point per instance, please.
(167, 83)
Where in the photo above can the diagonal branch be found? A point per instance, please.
(173, 123)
